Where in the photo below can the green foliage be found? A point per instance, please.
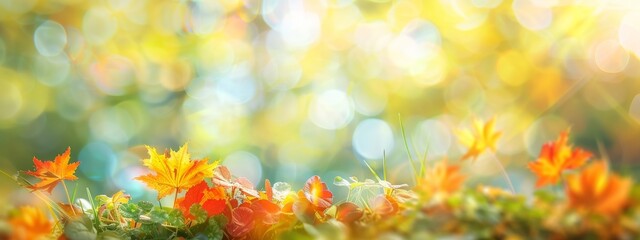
(200, 215)
(158, 215)
(80, 229)
(131, 210)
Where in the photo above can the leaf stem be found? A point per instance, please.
(175, 198)
(68, 197)
(504, 172)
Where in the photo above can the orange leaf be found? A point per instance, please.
(555, 157)
(51, 173)
(30, 223)
(597, 190)
(268, 190)
(441, 178)
(317, 193)
(174, 171)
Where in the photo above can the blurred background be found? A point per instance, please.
(286, 89)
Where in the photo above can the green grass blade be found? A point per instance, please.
(384, 165)
(93, 207)
(406, 146)
(371, 169)
(73, 196)
(423, 163)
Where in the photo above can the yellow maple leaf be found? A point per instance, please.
(174, 171)
(482, 137)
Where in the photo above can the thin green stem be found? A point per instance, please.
(68, 197)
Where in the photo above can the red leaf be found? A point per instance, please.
(194, 195)
(303, 210)
(266, 211)
(348, 212)
(213, 200)
(241, 222)
(317, 193)
(214, 206)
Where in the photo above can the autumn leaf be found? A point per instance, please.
(212, 199)
(316, 192)
(112, 202)
(596, 190)
(241, 222)
(384, 205)
(51, 173)
(555, 157)
(268, 190)
(348, 212)
(174, 171)
(493, 192)
(441, 178)
(481, 138)
(265, 211)
(70, 211)
(222, 177)
(30, 223)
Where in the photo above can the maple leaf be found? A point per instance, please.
(30, 223)
(555, 157)
(596, 190)
(482, 137)
(317, 193)
(441, 178)
(51, 173)
(174, 171)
